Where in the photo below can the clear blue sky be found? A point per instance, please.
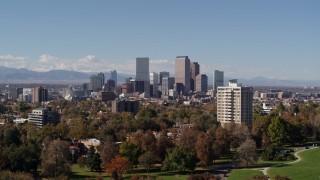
(274, 38)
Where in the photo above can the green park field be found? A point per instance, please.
(83, 173)
(306, 168)
(243, 174)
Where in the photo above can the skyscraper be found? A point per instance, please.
(39, 94)
(218, 79)
(95, 82)
(234, 104)
(102, 79)
(195, 70)
(153, 84)
(163, 74)
(165, 86)
(201, 83)
(114, 76)
(182, 73)
(142, 73)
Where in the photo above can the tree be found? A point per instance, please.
(188, 138)
(163, 144)
(147, 160)
(222, 141)
(148, 142)
(279, 177)
(202, 177)
(55, 159)
(277, 131)
(109, 150)
(259, 177)
(130, 151)
(90, 161)
(246, 154)
(96, 164)
(117, 167)
(180, 159)
(203, 149)
(12, 136)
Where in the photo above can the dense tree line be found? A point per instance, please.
(151, 137)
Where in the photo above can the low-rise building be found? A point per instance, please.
(42, 116)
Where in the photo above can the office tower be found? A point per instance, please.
(137, 86)
(201, 83)
(218, 79)
(39, 94)
(182, 73)
(95, 83)
(111, 85)
(102, 79)
(153, 84)
(234, 103)
(165, 86)
(114, 77)
(142, 73)
(195, 70)
(171, 82)
(163, 74)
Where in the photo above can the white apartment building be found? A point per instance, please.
(234, 104)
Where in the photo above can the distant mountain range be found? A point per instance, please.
(13, 75)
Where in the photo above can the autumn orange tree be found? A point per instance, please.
(117, 167)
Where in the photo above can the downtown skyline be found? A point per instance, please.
(244, 39)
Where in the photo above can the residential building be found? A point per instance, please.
(218, 79)
(125, 106)
(142, 73)
(234, 103)
(182, 74)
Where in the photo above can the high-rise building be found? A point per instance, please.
(163, 74)
(195, 70)
(95, 83)
(39, 94)
(142, 73)
(182, 73)
(234, 104)
(218, 79)
(165, 86)
(201, 83)
(153, 84)
(102, 79)
(114, 77)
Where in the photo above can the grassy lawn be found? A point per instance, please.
(243, 174)
(307, 168)
(270, 163)
(82, 173)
